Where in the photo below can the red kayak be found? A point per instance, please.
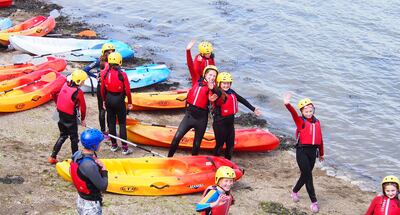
(246, 140)
(13, 71)
(6, 3)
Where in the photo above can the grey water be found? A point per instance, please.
(344, 55)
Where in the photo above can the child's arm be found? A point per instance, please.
(210, 200)
(297, 120)
(89, 67)
(247, 104)
(371, 208)
(189, 62)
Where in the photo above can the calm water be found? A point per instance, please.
(343, 55)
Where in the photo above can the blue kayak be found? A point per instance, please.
(140, 76)
(5, 23)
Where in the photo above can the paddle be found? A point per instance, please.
(85, 33)
(133, 144)
(136, 121)
(49, 77)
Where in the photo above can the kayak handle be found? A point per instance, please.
(159, 187)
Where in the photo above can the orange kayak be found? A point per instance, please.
(246, 140)
(159, 100)
(13, 71)
(36, 26)
(154, 176)
(32, 94)
(21, 80)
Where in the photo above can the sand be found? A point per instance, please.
(29, 185)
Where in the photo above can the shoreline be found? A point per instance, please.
(267, 181)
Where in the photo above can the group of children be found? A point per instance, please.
(211, 90)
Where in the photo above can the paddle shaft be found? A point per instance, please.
(133, 144)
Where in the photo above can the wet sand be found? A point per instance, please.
(29, 185)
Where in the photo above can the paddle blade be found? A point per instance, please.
(21, 59)
(87, 33)
(54, 13)
(49, 77)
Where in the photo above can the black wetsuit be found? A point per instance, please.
(224, 128)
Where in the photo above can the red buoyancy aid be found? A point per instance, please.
(201, 62)
(222, 209)
(80, 184)
(198, 95)
(310, 134)
(114, 81)
(385, 206)
(230, 106)
(65, 103)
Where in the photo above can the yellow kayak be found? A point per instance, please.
(154, 176)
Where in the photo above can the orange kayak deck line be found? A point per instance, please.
(154, 176)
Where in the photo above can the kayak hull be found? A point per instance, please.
(175, 99)
(153, 176)
(246, 140)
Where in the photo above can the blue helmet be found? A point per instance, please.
(91, 139)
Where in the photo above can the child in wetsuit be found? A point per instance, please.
(218, 198)
(201, 60)
(309, 146)
(224, 110)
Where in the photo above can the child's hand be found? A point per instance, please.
(83, 123)
(130, 106)
(213, 97)
(257, 112)
(220, 201)
(190, 44)
(104, 105)
(321, 158)
(286, 97)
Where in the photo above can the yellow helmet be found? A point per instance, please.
(224, 77)
(115, 58)
(391, 179)
(304, 102)
(224, 172)
(205, 48)
(107, 46)
(78, 76)
(210, 67)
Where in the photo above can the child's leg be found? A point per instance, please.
(183, 128)
(199, 129)
(312, 155)
(219, 137)
(230, 141)
(61, 139)
(111, 117)
(121, 115)
(73, 136)
(304, 166)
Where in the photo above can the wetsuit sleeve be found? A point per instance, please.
(299, 122)
(102, 87)
(210, 197)
(91, 171)
(127, 88)
(82, 104)
(189, 62)
(371, 207)
(244, 102)
(94, 64)
(321, 147)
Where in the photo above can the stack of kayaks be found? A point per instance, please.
(36, 26)
(30, 90)
(13, 71)
(246, 140)
(174, 99)
(5, 23)
(140, 76)
(152, 176)
(68, 48)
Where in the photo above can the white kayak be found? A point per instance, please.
(67, 48)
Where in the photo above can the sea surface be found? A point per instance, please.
(344, 55)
